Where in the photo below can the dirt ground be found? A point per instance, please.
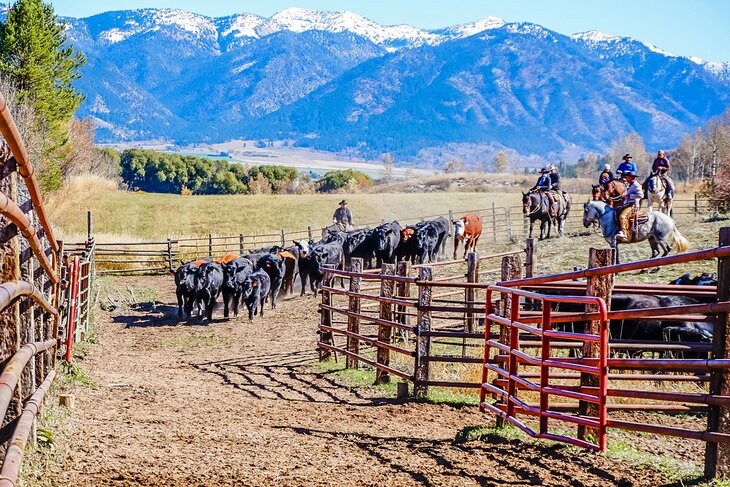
(239, 403)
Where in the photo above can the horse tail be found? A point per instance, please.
(681, 242)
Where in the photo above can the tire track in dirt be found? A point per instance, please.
(236, 403)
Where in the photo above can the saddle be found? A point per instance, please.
(641, 217)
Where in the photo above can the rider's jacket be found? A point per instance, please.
(660, 163)
(342, 215)
(605, 177)
(543, 182)
(626, 166)
(554, 180)
(633, 194)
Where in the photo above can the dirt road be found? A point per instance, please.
(238, 403)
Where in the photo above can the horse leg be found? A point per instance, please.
(532, 222)
(654, 247)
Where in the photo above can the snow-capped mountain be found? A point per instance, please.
(339, 81)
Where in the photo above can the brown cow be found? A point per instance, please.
(290, 266)
(468, 229)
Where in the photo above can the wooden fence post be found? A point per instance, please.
(470, 294)
(423, 343)
(530, 257)
(385, 331)
(717, 456)
(210, 245)
(451, 225)
(508, 216)
(494, 223)
(309, 232)
(601, 287)
(283, 238)
(169, 254)
(241, 246)
(511, 269)
(353, 322)
(89, 225)
(696, 207)
(525, 227)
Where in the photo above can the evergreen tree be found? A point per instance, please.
(36, 59)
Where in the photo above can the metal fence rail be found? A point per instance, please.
(29, 295)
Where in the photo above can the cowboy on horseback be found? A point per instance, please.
(632, 198)
(627, 166)
(343, 216)
(661, 168)
(543, 185)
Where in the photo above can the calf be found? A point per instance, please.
(208, 283)
(386, 237)
(326, 255)
(273, 266)
(306, 264)
(185, 287)
(468, 228)
(234, 272)
(359, 243)
(255, 289)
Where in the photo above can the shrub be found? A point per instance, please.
(335, 180)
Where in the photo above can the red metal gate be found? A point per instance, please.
(510, 363)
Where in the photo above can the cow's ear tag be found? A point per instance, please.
(254, 284)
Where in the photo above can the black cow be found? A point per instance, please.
(703, 279)
(386, 238)
(208, 283)
(325, 255)
(255, 289)
(359, 243)
(273, 265)
(234, 272)
(306, 264)
(441, 225)
(185, 288)
(334, 236)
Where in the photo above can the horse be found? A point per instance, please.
(615, 191)
(535, 206)
(659, 229)
(655, 188)
(564, 203)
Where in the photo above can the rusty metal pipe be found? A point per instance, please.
(631, 266)
(14, 368)
(9, 291)
(26, 170)
(12, 212)
(14, 456)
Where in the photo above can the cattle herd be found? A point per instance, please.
(268, 273)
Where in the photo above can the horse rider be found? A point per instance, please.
(543, 182)
(632, 198)
(606, 176)
(343, 216)
(627, 166)
(661, 168)
(555, 179)
(543, 185)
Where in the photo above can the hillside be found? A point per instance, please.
(339, 82)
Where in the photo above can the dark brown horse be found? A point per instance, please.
(614, 193)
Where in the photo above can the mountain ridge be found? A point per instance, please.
(339, 81)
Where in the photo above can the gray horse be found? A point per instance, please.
(659, 229)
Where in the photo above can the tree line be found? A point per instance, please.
(157, 172)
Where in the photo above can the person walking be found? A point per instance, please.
(343, 216)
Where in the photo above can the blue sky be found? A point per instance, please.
(689, 28)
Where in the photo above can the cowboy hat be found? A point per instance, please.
(343, 202)
(628, 156)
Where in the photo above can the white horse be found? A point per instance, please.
(657, 193)
(659, 229)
